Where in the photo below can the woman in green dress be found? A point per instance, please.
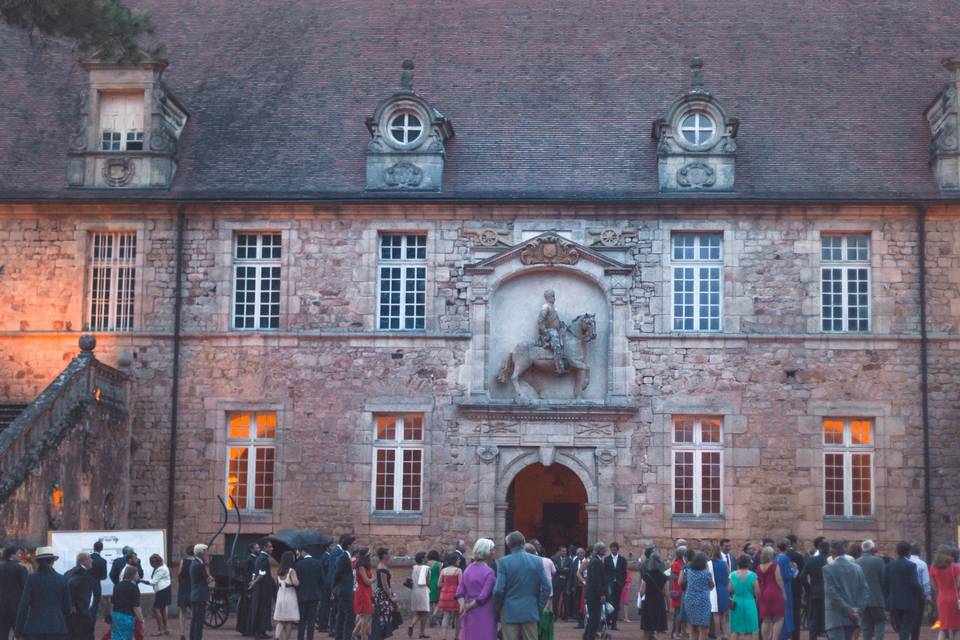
(744, 591)
(433, 562)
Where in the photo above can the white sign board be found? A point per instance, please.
(145, 542)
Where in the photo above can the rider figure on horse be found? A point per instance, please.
(550, 329)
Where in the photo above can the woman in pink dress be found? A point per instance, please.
(945, 576)
(475, 594)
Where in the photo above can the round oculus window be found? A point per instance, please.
(406, 128)
(697, 128)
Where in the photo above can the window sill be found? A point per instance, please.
(388, 517)
(700, 522)
(851, 524)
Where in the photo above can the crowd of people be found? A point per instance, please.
(766, 591)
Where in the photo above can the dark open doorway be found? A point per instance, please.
(548, 503)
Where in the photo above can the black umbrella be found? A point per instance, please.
(293, 539)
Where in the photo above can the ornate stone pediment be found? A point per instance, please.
(550, 249)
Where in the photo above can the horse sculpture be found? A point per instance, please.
(526, 355)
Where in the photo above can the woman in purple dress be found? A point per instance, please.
(475, 594)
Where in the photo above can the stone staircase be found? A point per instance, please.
(8, 413)
(86, 394)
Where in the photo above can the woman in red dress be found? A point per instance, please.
(448, 604)
(772, 596)
(676, 593)
(945, 576)
(363, 596)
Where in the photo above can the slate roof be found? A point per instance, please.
(550, 99)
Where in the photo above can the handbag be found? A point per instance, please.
(733, 605)
(408, 583)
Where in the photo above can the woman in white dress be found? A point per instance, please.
(419, 594)
(286, 612)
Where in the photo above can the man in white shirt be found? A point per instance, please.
(923, 572)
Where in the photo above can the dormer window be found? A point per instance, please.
(128, 129)
(121, 122)
(697, 128)
(406, 128)
(407, 149)
(696, 145)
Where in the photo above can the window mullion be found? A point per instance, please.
(398, 479)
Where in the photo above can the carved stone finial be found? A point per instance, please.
(87, 344)
(696, 65)
(406, 78)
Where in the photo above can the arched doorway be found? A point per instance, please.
(548, 503)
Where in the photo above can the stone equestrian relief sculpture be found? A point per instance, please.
(561, 349)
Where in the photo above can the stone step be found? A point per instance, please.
(9, 413)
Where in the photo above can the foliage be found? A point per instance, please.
(106, 29)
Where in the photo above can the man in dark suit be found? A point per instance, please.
(45, 603)
(329, 570)
(811, 579)
(262, 589)
(562, 561)
(80, 580)
(13, 576)
(98, 572)
(796, 593)
(904, 592)
(323, 610)
(200, 583)
(243, 607)
(128, 556)
(615, 566)
(595, 590)
(310, 574)
(343, 590)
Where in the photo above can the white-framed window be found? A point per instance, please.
(697, 465)
(845, 282)
(251, 459)
(405, 127)
(697, 269)
(697, 128)
(121, 121)
(256, 281)
(402, 281)
(398, 463)
(113, 280)
(848, 467)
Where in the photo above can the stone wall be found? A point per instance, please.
(770, 373)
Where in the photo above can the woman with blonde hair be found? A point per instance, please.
(475, 594)
(945, 578)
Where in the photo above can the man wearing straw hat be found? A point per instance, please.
(45, 604)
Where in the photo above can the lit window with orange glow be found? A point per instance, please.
(56, 499)
(848, 467)
(398, 461)
(251, 460)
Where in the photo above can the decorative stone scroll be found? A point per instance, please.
(696, 174)
(549, 250)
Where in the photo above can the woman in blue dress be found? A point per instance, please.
(788, 571)
(721, 576)
(696, 597)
